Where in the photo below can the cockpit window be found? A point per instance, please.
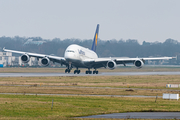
(70, 51)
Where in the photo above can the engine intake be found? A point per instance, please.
(111, 65)
(139, 63)
(45, 61)
(25, 58)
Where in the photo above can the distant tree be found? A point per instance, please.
(105, 48)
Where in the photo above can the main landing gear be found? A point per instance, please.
(90, 72)
(67, 71)
(77, 71)
(95, 72)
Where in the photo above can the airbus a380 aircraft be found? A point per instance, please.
(80, 57)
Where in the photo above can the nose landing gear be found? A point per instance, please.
(68, 70)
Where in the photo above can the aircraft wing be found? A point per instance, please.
(126, 59)
(57, 59)
(102, 62)
(143, 59)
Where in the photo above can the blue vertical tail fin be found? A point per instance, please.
(95, 39)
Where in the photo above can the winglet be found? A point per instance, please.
(95, 39)
(3, 48)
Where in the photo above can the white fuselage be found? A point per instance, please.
(75, 55)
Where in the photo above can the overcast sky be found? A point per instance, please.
(144, 20)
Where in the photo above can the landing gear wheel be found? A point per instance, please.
(89, 72)
(67, 71)
(95, 72)
(77, 71)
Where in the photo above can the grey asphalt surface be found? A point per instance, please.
(83, 74)
(139, 115)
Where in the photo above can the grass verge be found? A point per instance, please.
(66, 107)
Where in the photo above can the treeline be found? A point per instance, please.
(105, 48)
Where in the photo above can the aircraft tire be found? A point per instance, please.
(66, 70)
(88, 72)
(78, 71)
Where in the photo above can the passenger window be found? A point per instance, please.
(70, 51)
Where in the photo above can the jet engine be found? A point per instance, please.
(138, 63)
(111, 65)
(25, 58)
(45, 61)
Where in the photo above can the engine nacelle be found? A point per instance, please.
(25, 58)
(45, 61)
(111, 65)
(139, 63)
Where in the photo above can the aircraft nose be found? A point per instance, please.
(69, 56)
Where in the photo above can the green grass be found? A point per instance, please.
(65, 107)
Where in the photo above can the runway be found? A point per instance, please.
(83, 74)
(139, 115)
